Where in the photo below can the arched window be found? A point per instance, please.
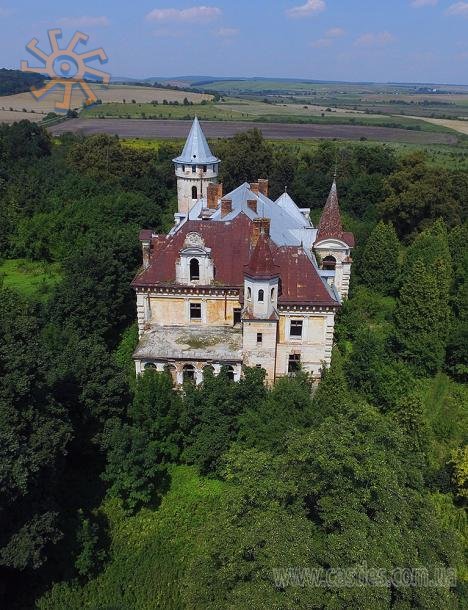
(172, 371)
(194, 269)
(208, 370)
(249, 293)
(194, 192)
(230, 373)
(189, 373)
(272, 293)
(261, 296)
(329, 263)
(150, 366)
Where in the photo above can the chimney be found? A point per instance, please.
(259, 225)
(263, 186)
(146, 247)
(212, 196)
(252, 204)
(254, 187)
(226, 207)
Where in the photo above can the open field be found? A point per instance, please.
(135, 128)
(31, 279)
(442, 101)
(254, 110)
(457, 125)
(114, 93)
(12, 116)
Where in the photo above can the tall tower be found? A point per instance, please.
(195, 169)
(333, 245)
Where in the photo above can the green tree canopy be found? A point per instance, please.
(379, 262)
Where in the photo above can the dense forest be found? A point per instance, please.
(16, 81)
(123, 494)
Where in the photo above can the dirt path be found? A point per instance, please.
(455, 124)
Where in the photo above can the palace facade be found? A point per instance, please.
(240, 279)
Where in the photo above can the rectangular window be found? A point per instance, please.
(296, 329)
(194, 169)
(237, 316)
(195, 311)
(205, 168)
(294, 364)
(259, 338)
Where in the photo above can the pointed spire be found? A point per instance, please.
(330, 221)
(262, 264)
(196, 150)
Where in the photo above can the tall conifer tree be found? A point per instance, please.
(379, 267)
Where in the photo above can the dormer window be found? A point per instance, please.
(272, 294)
(194, 270)
(329, 263)
(249, 293)
(261, 296)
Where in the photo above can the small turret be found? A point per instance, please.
(195, 169)
(333, 245)
(261, 280)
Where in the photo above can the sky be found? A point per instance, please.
(422, 41)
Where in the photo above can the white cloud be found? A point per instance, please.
(422, 3)
(84, 22)
(322, 43)
(335, 33)
(459, 8)
(196, 13)
(311, 7)
(378, 39)
(227, 32)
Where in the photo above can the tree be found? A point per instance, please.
(246, 158)
(286, 407)
(371, 371)
(35, 433)
(139, 452)
(421, 322)
(417, 194)
(332, 393)
(379, 262)
(209, 420)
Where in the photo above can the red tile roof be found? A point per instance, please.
(230, 244)
(330, 221)
(261, 264)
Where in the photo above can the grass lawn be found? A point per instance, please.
(30, 278)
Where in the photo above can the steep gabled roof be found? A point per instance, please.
(330, 221)
(288, 204)
(196, 149)
(261, 264)
(230, 244)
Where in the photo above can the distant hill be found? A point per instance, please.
(15, 81)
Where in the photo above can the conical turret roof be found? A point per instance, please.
(196, 150)
(261, 264)
(330, 221)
